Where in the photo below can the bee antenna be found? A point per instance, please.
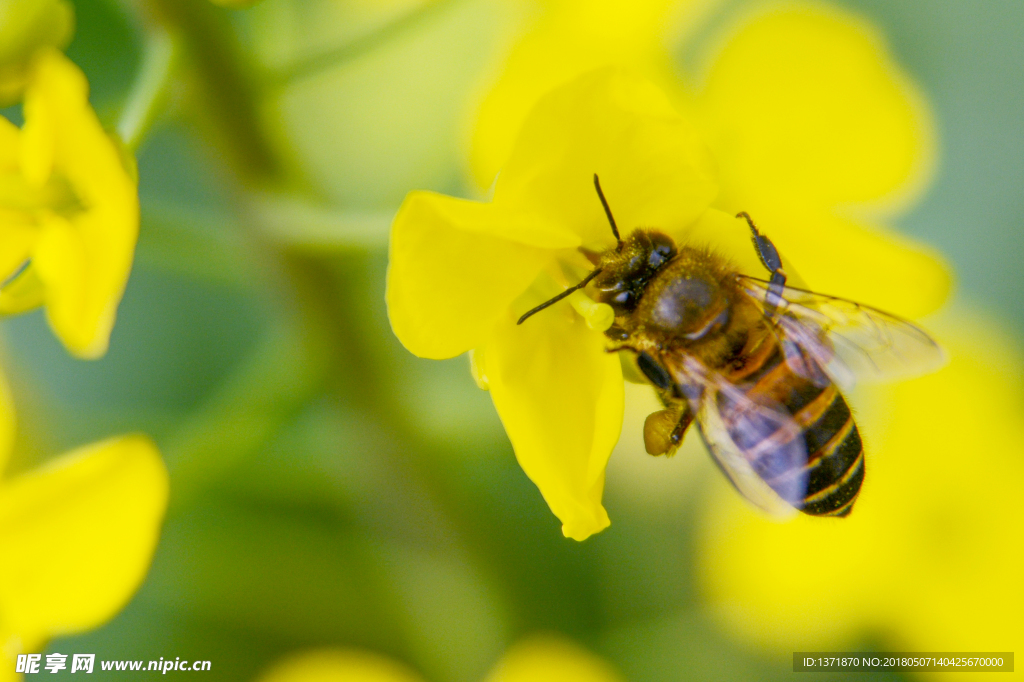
(559, 297)
(607, 211)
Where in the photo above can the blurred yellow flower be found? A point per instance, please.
(541, 658)
(547, 658)
(25, 27)
(822, 138)
(931, 560)
(69, 212)
(338, 665)
(564, 40)
(462, 272)
(77, 535)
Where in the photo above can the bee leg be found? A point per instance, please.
(771, 260)
(664, 429)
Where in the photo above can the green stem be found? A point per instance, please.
(225, 88)
(324, 348)
(272, 384)
(293, 222)
(310, 66)
(149, 93)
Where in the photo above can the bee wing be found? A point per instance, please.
(849, 340)
(752, 442)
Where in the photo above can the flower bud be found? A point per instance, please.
(26, 26)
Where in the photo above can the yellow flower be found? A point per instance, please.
(462, 272)
(76, 535)
(459, 269)
(814, 130)
(69, 212)
(544, 658)
(537, 659)
(564, 40)
(26, 26)
(931, 558)
(343, 665)
(822, 138)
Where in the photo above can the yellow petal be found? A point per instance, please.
(834, 256)
(567, 39)
(754, 571)
(25, 26)
(48, 93)
(728, 236)
(503, 222)
(936, 497)
(804, 105)
(77, 535)
(22, 293)
(560, 397)
(868, 264)
(60, 262)
(551, 659)
(449, 276)
(654, 169)
(339, 665)
(17, 231)
(17, 238)
(83, 259)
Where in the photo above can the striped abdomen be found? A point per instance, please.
(830, 478)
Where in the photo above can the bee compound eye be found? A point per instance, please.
(637, 263)
(623, 298)
(663, 249)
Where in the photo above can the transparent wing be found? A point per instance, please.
(757, 445)
(849, 340)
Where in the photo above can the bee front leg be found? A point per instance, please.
(664, 429)
(772, 262)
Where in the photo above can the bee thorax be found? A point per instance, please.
(687, 307)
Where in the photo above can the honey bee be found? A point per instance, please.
(756, 363)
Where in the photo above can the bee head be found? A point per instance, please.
(626, 271)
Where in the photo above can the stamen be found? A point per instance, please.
(599, 316)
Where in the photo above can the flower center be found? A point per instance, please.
(17, 194)
(560, 276)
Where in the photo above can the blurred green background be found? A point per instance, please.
(327, 487)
